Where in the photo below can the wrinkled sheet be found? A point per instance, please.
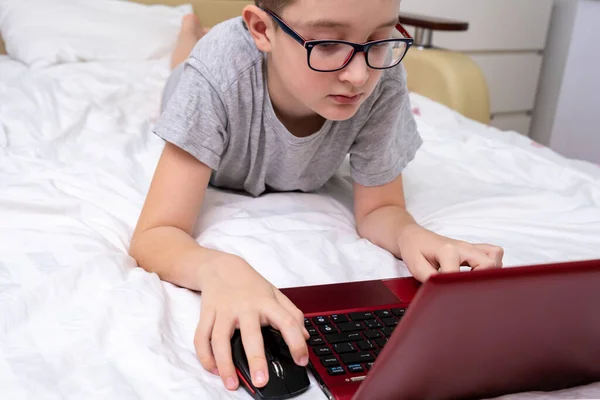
(79, 320)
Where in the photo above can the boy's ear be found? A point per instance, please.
(260, 26)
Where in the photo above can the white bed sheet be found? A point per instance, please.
(78, 319)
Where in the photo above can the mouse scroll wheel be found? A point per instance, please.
(278, 369)
(269, 355)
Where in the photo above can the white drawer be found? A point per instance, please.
(493, 24)
(512, 122)
(512, 79)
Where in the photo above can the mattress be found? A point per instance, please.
(79, 319)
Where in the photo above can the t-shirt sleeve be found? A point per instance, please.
(195, 118)
(389, 139)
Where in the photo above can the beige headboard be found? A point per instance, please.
(210, 12)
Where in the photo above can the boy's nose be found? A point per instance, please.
(357, 71)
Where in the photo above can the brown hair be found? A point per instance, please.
(274, 5)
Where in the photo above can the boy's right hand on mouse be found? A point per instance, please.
(235, 296)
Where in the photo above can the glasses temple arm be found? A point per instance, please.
(403, 31)
(287, 29)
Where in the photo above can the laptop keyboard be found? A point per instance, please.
(350, 343)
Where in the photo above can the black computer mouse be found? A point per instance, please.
(286, 378)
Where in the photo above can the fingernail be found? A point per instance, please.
(304, 361)
(230, 383)
(260, 377)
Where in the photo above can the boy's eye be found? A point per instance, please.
(331, 47)
(381, 47)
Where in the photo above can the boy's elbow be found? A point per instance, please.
(363, 224)
(363, 229)
(135, 248)
(143, 248)
(132, 251)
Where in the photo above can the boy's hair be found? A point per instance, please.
(274, 5)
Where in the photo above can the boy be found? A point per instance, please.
(256, 108)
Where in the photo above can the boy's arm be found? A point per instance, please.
(382, 218)
(234, 295)
(162, 242)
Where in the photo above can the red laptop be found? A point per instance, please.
(462, 335)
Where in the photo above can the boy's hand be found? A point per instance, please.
(426, 253)
(235, 296)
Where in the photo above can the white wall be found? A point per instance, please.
(568, 101)
(553, 68)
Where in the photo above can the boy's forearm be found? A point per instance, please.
(383, 227)
(173, 255)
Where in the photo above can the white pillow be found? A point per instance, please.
(40, 33)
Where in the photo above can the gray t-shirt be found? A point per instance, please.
(217, 108)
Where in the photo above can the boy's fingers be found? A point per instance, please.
(221, 345)
(449, 258)
(496, 252)
(255, 349)
(477, 259)
(420, 268)
(202, 340)
(291, 331)
(292, 309)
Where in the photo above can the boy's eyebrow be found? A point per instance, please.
(324, 23)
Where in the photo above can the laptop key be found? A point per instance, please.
(339, 370)
(369, 365)
(337, 318)
(372, 334)
(381, 342)
(391, 321)
(343, 337)
(377, 352)
(322, 350)
(329, 361)
(357, 358)
(387, 332)
(316, 341)
(351, 326)
(372, 324)
(365, 345)
(341, 348)
(398, 312)
(312, 332)
(327, 329)
(360, 316)
(321, 320)
(307, 323)
(355, 368)
(383, 313)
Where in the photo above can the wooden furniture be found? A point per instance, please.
(507, 40)
(424, 27)
(448, 77)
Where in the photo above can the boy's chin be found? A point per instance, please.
(338, 112)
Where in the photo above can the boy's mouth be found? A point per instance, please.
(342, 99)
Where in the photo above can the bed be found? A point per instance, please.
(79, 319)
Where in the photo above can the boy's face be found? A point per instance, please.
(333, 95)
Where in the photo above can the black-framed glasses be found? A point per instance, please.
(334, 55)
